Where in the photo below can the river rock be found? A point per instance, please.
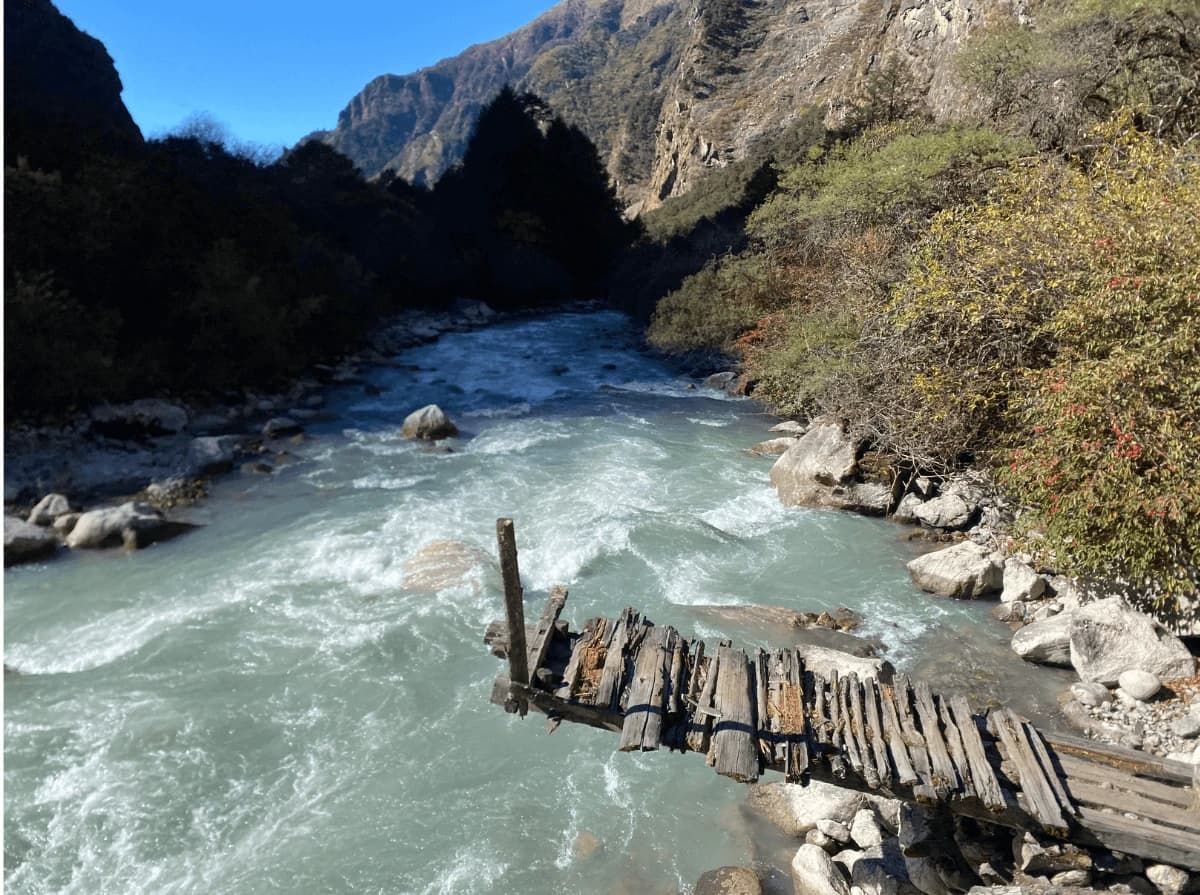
(947, 511)
(1091, 694)
(790, 427)
(147, 417)
(586, 845)
(963, 570)
(835, 829)
(26, 542)
(1167, 879)
(429, 423)
(864, 830)
(48, 509)
(924, 876)
(1046, 642)
(824, 661)
(720, 381)
(814, 873)
(1021, 582)
(1141, 685)
(906, 509)
(773, 447)
(796, 809)
(281, 426)
(820, 840)
(1108, 638)
(821, 460)
(109, 526)
(1188, 726)
(64, 523)
(441, 565)
(212, 453)
(728, 881)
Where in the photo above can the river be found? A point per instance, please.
(261, 706)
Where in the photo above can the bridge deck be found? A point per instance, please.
(750, 712)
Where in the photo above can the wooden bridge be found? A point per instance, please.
(750, 713)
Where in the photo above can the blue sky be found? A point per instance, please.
(274, 71)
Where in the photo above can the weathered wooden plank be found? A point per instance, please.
(901, 761)
(700, 728)
(796, 767)
(824, 713)
(776, 676)
(983, 775)
(858, 730)
(1051, 772)
(1129, 761)
(675, 721)
(608, 694)
(925, 791)
(762, 735)
(1084, 793)
(644, 706)
(945, 778)
(543, 635)
(1118, 782)
(957, 753)
(551, 705)
(514, 603)
(734, 749)
(1139, 837)
(883, 767)
(1034, 787)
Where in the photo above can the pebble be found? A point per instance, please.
(1141, 685)
(1091, 694)
(1187, 727)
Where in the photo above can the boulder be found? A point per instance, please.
(835, 830)
(1021, 582)
(134, 524)
(441, 565)
(906, 509)
(1141, 685)
(147, 417)
(821, 460)
(1090, 694)
(796, 809)
(212, 453)
(720, 381)
(1188, 726)
(1046, 642)
(280, 426)
(728, 881)
(26, 542)
(814, 873)
(947, 511)
(1167, 879)
(772, 447)
(824, 661)
(429, 423)
(963, 570)
(64, 523)
(1108, 638)
(790, 427)
(48, 509)
(864, 830)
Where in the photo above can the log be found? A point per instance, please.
(1039, 795)
(883, 767)
(925, 792)
(891, 725)
(608, 694)
(983, 776)
(957, 753)
(945, 778)
(858, 726)
(762, 734)
(699, 730)
(514, 606)
(647, 692)
(734, 750)
(543, 634)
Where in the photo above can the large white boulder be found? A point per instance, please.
(26, 542)
(49, 508)
(961, 570)
(441, 565)
(820, 461)
(948, 511)
(108, 526)
(212, 453)
(429, 423)
(814, 873)
(823, 660)
(1108, 638)
(796, 809)
(1046, 642)
(1021, 582)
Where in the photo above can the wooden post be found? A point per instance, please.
(514, 607)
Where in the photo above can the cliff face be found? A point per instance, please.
(667, 88)
(62, 93)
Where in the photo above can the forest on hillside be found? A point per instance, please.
(1017, 290)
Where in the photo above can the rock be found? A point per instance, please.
(212, 453)
(1108, 637)
(914, 827)
(1036, 859)
(814, 873)
(728, 881)
(1021, 582)
(313, 402)
(947, 511)
(1072, 878)
(26, 542)
(819, 839)
(771, 448)
(280, 426)
(136, 523)
(64, 523)
(1141, 685)
(1091, 694)
(835, 829)
(147, 417)
(586, 845)
(864, 830)
(257, 468)
(1167, 879)
(441, 565)
(1186, 727)
(906, 509)
(48, 509)
(964, 570)
(819, 461)
(796, 809)
(790, 427)
(1046, 642)
(923, 874)
(823, 661)
(430, 423)
(719, 381)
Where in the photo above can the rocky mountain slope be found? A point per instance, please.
(666, 88)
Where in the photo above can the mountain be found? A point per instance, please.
(62, 94)
(666, 89)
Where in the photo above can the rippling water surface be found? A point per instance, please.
(262, 706)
